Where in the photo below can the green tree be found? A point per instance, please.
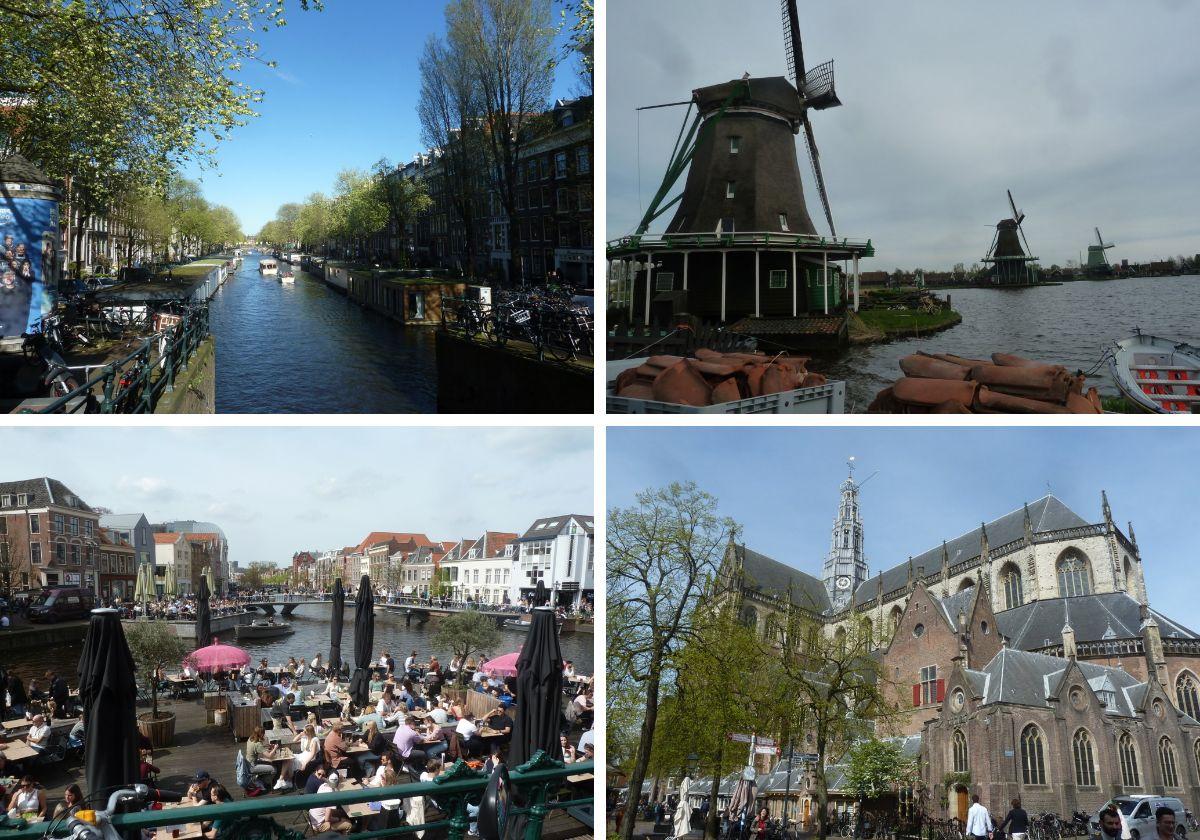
(441, 586)
(467, 633)
(403, 198)
(356, 211)
(312, 223)
(256, 575)
(661, 553)
(874, 767)
(579, 22)
(154, 645)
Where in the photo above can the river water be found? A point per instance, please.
(1069, 325)
(311, 623)
(307, 348)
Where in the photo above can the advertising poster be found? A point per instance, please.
(28, 242)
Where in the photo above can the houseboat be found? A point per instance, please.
(268, 267)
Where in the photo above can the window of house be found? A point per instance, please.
(545, 196)
(583, 160)
(1085, 759)
(545, 166)
(1166, 757)
(783, 225)
(548, 229)
(564, 200)
(533, 171)
(929, 685)
(664, 281)
(729, 188)
(725, 225)
(6, 501)
(585, 234)
(74, 526)
(22, 499)
(778, 279)
(585, 198)
(560, 165)
(1033, 757)
(60, 523)
(959, 742)
(734, 145)
(566, 231)
(60, 552)
(35, 553)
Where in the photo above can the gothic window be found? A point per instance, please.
(839, 639)
(1129, 762)
(897, 614)
(868, 634)
(1033, 758)
(1188, 695)
(1010, 583)
(846, 538)
(966, 583)
(750, 617)
(1166, 757)
(1196, 750)
(1085, 763)
(1073, 577)
(959, 742)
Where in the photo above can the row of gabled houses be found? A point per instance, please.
(496, 568)
(49, 537)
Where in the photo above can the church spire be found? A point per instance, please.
(846, 565)
(1108, 520)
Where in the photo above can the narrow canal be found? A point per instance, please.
(1069, 325)
(305, 348)
(311, 623)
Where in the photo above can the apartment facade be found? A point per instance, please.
(559, 552)
(480, 570)
(173, 550)
(48, 536)
(118, 566)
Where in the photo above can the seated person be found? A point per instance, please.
(329, 818)
(336, 757)
(197, 792)
(315, 780)
(440, 712)
(28, 801)
(216, 795)
(39, 734)
(72, 797)
(468, 734)
(499, 720)
(568, 751)
(385, 776)
(494, 758)
(433, 739)
(146, 769)
(588, 754)
(588, 737)
(260, 755)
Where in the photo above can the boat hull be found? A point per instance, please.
(1158, 375)
(249, 631)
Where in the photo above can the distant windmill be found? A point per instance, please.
(1011, 264)
(743, 202)
(1097, 261)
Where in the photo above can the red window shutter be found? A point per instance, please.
(941, 690)
(917, 694)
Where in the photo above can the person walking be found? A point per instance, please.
(979, 821)
(1016, 823)
(1164, 823)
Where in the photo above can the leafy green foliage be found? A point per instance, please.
(874, 767)
(467, 633)
(154, 645)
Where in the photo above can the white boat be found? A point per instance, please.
(268, 267)
(1159, 375)
(287, 279)
(264, 628)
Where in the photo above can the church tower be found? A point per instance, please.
(846, 566)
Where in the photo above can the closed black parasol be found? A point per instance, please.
(203, 615)
(364, 640)
(108, 693)
(335, 625)
(539, 688)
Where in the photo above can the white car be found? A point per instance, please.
(1137, 815)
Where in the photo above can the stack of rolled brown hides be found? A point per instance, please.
(941, 383)
(713, 377)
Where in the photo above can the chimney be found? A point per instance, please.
(1068, 640)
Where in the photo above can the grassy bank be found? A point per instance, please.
(875, 325)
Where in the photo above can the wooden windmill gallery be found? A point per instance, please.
(741, 252)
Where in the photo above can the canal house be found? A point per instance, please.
(741, 250)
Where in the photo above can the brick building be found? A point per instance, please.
(117, 567)
(1025, 651)
(48, 536)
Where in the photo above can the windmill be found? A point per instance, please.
(1097, 261)
(741, 216)
(1011, 264)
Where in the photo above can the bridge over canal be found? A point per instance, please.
(411, 611)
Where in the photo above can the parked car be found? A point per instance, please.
(62, 603)
(1137, 815)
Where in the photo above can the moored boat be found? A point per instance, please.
(264, 628)
(268, 267)
(1159, 375)
(287, 279)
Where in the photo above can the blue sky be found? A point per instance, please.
(781, 486)
(344, 95)
(275, 491)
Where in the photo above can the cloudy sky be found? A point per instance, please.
(1085, 110)
(781, 486)
(275, 491)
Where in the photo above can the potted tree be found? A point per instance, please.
(466, 634)
(154, 645)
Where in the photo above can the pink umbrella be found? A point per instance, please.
(505, 666)
(217, 657)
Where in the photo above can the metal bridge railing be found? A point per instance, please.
(742, 239)
(540, 783)
(136, 383)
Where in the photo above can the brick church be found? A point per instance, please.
(1026, 650)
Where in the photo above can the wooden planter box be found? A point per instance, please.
(161, 732)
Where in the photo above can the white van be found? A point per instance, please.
(1137, 815)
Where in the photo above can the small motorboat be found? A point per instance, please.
(287, 279)
(1159, 375)
(264, 628)
(268, 268)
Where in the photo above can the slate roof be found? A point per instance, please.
(1109, 615)
(1046, 514)
(1027, 679)
(383, 536)
(191, 525)
(552, 526)
(767, 575)
(952, 605)
(43, 492)
(121, 521)
(15, 169)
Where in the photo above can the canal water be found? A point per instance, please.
(311, 623)
(305, 348)
(1069, 325)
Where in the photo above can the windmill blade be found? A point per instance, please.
(792, 47)
(814, 157)
(1017, 215)
(1099, 238)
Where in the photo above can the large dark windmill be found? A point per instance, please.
(741, 246)
(1097, 264)
(1011, 265)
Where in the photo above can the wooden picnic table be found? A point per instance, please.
(284, 754)
(488, 732)
(189, 831)
(359, 809)
(580, 777)
(17, 724)
(19, 751)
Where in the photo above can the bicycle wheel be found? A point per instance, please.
(559, 344)
(499, 331)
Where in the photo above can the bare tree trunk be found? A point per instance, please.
(645, 743)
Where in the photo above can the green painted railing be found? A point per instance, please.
(136, 383)
(540, 783)
(674, 241)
